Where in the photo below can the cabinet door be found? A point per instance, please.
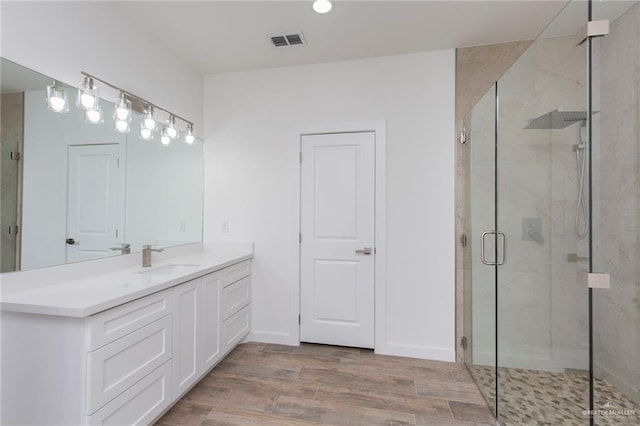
(186, 359)
(118, 365)
(139, 404)
(211, 321)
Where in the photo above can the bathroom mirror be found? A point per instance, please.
(74, 191)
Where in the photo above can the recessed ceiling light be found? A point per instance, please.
(322, 6)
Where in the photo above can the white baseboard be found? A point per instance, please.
(272, 337)
(412, 351)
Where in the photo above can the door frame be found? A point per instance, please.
(379, 128)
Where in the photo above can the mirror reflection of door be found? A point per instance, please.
(11, 170)
(95, 202)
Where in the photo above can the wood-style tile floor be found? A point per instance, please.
(263, 384)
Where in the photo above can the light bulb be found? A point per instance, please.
(322, 6)
(57, 98)
(146, 134)
(87, 95)
(189, 139)
(170, 128)
(149, 121)
(122, 110)
(87, 100)
(93, 116)
(57, 103)
(165, 140)
(122, 126)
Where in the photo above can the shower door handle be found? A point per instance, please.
(500, 253)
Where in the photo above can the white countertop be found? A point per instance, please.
(87, 296)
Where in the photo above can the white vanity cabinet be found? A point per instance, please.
(211, 316)
(129, 368)
(124, 365)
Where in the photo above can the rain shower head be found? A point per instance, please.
(557, 119)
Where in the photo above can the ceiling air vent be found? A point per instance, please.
(287, 39)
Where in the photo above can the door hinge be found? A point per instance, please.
(463, 342)
(300, 157)
(13, 229)
(299, 319)
(463, 240)
(463, 136)
(116, 232)
(14, 155)
(300, 238)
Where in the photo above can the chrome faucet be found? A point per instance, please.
(146, 255)
(125, 248)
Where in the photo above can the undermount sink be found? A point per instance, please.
(169, 269)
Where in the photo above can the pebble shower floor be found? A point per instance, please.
(529, 397)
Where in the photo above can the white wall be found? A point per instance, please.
(92, 37)
(249, 118)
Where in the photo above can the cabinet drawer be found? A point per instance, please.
(235, 272)
(236, 296)
(139, 404)
(117, 366)
(236, 327)
(110, 325)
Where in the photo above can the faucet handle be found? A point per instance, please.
(148, 247)
(125, 248)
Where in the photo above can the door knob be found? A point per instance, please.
(366, 250)
(71, 241)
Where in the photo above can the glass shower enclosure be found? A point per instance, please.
(552, 182)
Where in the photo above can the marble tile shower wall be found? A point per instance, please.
(542, 304)
(617, 204)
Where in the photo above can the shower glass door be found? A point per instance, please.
(542, 209)
(479, 218)
(616, 214)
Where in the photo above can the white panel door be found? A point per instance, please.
(337, 228)
(95, 201)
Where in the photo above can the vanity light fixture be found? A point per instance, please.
(170, 128)
(93, 115)
(189, 138)
(124, 106)
(322, 6)
(88, 94)
(57, 100)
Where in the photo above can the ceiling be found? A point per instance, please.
(222, 36)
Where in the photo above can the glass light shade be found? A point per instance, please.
(146, 134)
(57, 100)
(122, 110)
(170, 128)
(88, 95)
(189, 138)
(122, 126)
(149, 119)
(322, 6)
(93, 116)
